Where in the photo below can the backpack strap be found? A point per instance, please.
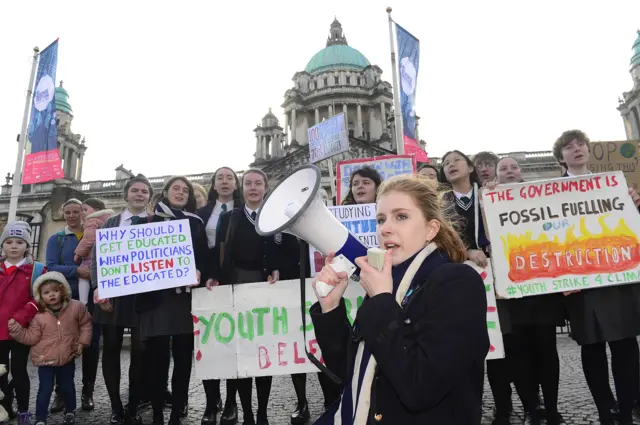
(61, 236)
(38, 269)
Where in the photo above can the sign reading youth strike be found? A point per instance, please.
(144, 258)
(564, 234)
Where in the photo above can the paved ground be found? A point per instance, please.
(575, 400)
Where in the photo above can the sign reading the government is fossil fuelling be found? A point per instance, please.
(564, 234)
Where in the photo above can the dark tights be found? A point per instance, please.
(330, 390)
(113, 338)
(19, 375)
(626, 375)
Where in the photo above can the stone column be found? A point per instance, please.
(317, 111)
(344, 111)
(258, 147)
(286, 124)
(80, 161)
(417, 134)
(383, 117)
(74, 166)
(330, 111)
(293, 126)
(358, 132)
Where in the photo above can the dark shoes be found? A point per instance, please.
(301, 414)
(58, 403)
(262, 419)
(209, 417)
(87, 399)
(229, 415)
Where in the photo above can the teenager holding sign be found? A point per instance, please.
(165, 315)
(421, 334)
(604, 315)
(115, 315)
(243, 256)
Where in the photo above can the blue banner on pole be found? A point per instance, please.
(43, 162)
(408, 64)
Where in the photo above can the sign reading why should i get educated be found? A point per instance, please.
(561, 235)
(144, 258)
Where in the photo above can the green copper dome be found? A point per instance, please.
(635, 59)
(62, 100)
(337, 54)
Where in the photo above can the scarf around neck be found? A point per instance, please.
(356, 398)
(165, 211)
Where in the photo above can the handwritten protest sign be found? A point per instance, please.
(387, 166)
(328, 138)
(616, 156)
(496, 345)
(563, 234)
(360, 220)
(255, 329)
(144, 258)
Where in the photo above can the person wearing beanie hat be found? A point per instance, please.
(16, 229)
(17, 271)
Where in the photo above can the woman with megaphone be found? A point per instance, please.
(415, 353)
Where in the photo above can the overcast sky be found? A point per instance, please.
(178, 87)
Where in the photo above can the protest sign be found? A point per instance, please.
(563, 234)
(328, 138)
(496, 345)
(616, 156)
(387, 166)
(255, 329)
(144, 258)
(360, 220)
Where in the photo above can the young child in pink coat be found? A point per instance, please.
(94, 214)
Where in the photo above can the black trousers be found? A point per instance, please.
(533, 358)
(111, 369)
(212, 392)
(244, 387)
(626, 375)
(157, 353)
(330, 390)
(19, 376)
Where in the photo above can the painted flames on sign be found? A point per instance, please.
(610, 251)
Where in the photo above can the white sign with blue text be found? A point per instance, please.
(328, 138)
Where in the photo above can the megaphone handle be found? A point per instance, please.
(323, 289)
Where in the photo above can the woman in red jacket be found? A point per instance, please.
(16, 302)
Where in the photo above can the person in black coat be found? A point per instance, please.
(609, 315)
(242, 256)
(119, 313)
(530, 343)
(165, 315)
(416, 351)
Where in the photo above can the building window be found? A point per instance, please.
(336, 80)
(364, 81)
(326, 81)
(358, 81)
(348, 80)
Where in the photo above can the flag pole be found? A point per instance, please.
(396, 94)
(16, 183)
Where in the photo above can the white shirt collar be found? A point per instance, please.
(7, 264)
(126, 215)
(219, 204)
(460, 195)
(249, 210)
(573, 175)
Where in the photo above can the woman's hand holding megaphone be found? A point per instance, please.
(338, 280)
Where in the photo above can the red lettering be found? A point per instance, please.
(596, 180)
(523, 192)
(491, 195)
(152, 265)
(297, 359)
(281, 347)
(614, 181)
(263, 358)
(313, 344)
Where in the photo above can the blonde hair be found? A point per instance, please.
(424, 193)
(199, 188)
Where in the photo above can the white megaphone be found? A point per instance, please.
(295, 207)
